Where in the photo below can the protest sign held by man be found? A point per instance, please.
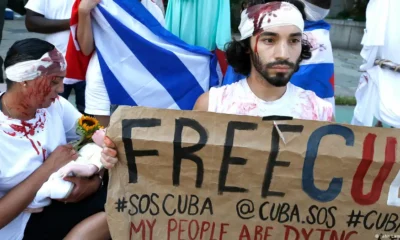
(270, 50)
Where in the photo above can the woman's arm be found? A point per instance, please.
(84, 29)
(16, 200)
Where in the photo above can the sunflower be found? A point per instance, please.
(88, 125)
(85, 128)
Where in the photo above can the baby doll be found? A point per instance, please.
(87, 164)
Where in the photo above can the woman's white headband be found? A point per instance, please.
(258, 18)
(52, 61)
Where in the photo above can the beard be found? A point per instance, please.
(280, 79)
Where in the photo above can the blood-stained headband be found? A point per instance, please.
(51, 62)
(258, 18)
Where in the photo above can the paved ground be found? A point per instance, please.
(346, 64)
(15, 30)
(347, 75)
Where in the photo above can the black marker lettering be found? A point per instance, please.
(272, 160)
(127, 125)
(228, 159)
(188, 152)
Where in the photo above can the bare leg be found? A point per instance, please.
(94, 227)
(103, 120)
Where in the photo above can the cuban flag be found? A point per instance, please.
(315, 74)
(142, 63)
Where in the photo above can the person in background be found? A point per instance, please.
(53, 18)
(203, 23)
(160, 4)
(377, 93)
(16, 6)
(269, 53)
(317, 73)
(97, 101)
(243, 7)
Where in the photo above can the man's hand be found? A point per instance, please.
(84, 187)
(109, 154)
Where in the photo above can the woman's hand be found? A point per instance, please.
(84, 187)
(86, 6)
(78, 169)
(60, 157)
(109, 154)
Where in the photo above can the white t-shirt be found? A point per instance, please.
(22, 153)
(237, 98)
(56, 10)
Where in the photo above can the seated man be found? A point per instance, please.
(269, 52)
(317, 73)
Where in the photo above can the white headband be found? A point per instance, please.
(29, 70)
(260, 17)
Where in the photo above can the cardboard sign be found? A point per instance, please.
(197, 175)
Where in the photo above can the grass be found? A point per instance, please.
(345, 101)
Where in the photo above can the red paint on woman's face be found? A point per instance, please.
(41, 92)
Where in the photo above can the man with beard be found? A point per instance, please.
(269, 53)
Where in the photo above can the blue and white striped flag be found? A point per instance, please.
(143, 64)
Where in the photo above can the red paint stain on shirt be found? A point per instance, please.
(44, 154)
(28, 130)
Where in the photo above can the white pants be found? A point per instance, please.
(97, 101)
(377, 97)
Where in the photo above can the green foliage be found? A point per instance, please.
(346, 101)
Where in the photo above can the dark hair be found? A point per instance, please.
(244, 4)
(25, 50)
(238, 52)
